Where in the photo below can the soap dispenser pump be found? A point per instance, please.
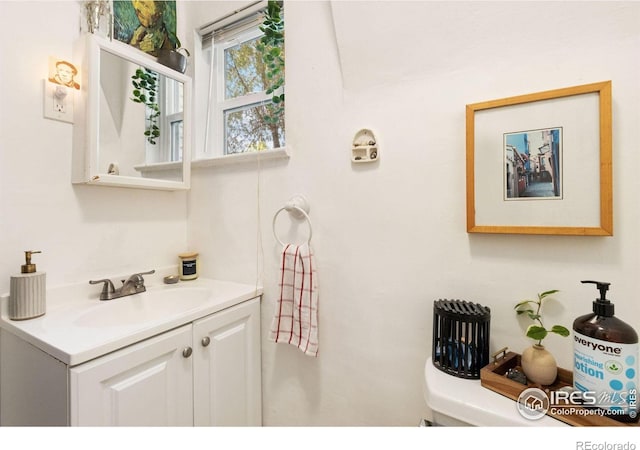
(28, 267)
(605, 351)
(27, 295)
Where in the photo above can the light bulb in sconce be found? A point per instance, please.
(58, 102)
(98, 11)
(60, 92)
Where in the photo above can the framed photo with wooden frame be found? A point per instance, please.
(541, 163)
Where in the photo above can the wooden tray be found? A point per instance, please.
(493, 376)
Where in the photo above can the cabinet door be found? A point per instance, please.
(146, 384)
(227, 373)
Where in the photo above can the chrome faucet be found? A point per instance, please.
(133, 285)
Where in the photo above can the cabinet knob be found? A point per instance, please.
(206, 341)
(187, 352)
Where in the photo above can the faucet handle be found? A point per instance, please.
(138, 279)
(107, 288)
(138, 276)
(147, 273)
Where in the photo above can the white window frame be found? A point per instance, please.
(209, 60)
(172, 103)
(222, 103)
(167, 148)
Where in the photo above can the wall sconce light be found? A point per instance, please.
(59, 90)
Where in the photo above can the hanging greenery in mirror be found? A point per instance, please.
(145, 85)
(271, 47)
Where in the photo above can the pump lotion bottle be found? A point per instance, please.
(605, 351)
(27, 295)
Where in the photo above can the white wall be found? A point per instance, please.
(390, 238)
(83, 231)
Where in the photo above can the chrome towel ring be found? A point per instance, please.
(298, 207)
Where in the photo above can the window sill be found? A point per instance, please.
(159, 167)
(239, 158)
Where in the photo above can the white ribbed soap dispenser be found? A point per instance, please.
(27, 295)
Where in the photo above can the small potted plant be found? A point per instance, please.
(172, 57)
(538, 364)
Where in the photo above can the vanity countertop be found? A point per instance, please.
(78, 327)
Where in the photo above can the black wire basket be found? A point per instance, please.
(460, 337)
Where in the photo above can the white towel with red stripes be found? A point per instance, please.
(295, 320)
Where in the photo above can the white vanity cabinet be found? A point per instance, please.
(146, 384)
(205, 373)
(227, 368)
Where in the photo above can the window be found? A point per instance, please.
(246, 99)
(164, 110)
(173, 118)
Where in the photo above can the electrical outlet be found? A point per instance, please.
(58, 102)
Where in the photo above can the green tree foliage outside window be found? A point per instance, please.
(254, 66)
(271, 47)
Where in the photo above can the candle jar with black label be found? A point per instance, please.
(188, 266)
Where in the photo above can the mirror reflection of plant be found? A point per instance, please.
(145, 84)
(271, 47)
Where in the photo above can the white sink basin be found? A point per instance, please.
(155, 304)
(78, 327)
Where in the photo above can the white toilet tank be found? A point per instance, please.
(456, 401)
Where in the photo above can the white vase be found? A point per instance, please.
(539, 365)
